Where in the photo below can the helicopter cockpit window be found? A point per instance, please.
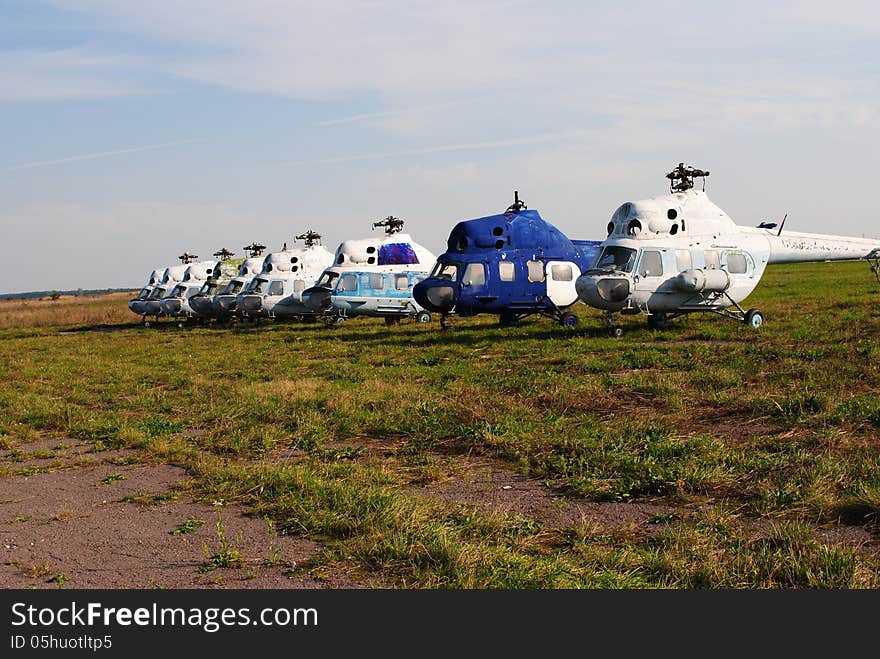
(401, 282)
(474, 275)
(561, 272)
(276, 287)
(157, 293)
(618, 258)
(144, 294)
(506, 270)
(178, 291)
(327, 279)
(208, 288)
(445, 270)
(651, 263)
(536, 270)
(347, 283)
(736, 263)
(710, 258)
(259, 286)
(232, 288)
(377, 280)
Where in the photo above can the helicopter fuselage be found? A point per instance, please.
(680, 253)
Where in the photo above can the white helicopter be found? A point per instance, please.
(373, 277)
(171, 276)
(138, 303)
(221, 302)
(679, 253)
(277, 292)
(200, 282)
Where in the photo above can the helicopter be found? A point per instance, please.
(172, 275)
(200, 282)
(679, 253)
(227, 280)
(513, 264)
(277, 291)
(373, 277)
(137, 303)
(223, 305)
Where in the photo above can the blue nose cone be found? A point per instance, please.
(435, 295)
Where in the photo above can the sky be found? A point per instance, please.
(131, 132)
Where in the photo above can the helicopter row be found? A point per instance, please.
(371, 277)
(664, 257)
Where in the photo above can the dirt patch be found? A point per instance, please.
(79, 524)
(498, 490)
(42, 454)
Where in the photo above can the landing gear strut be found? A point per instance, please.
(616, 332)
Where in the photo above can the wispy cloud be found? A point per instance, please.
(96, 155)
(397, 112)
(448, 148)
(68, 73)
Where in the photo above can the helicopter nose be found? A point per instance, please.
(225, 303)
(171, 306)
(250, 303)
(201, 304)
(602, 292)
(137, 306)
(434, 296)
(317, 298)
(152, 308)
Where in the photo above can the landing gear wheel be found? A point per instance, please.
(179, 325)
(754, 318)
(146, 323)
(423, 317)
(616, 332)
(657, 321)
(569, 319)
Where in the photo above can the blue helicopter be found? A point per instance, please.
(514, 264)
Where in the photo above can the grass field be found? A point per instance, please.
(751, 457)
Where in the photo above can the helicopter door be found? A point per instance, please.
(560, 280)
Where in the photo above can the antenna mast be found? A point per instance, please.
(517, 205)
(682, 177)
(392, 224)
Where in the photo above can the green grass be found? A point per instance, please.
(758, 440)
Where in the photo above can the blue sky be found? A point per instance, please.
(134, 131)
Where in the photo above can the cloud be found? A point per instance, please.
(73, 73)
(449, 148)
(98, 154)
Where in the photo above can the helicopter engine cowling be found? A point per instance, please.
(696, 280)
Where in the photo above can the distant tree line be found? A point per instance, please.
(56, 294)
